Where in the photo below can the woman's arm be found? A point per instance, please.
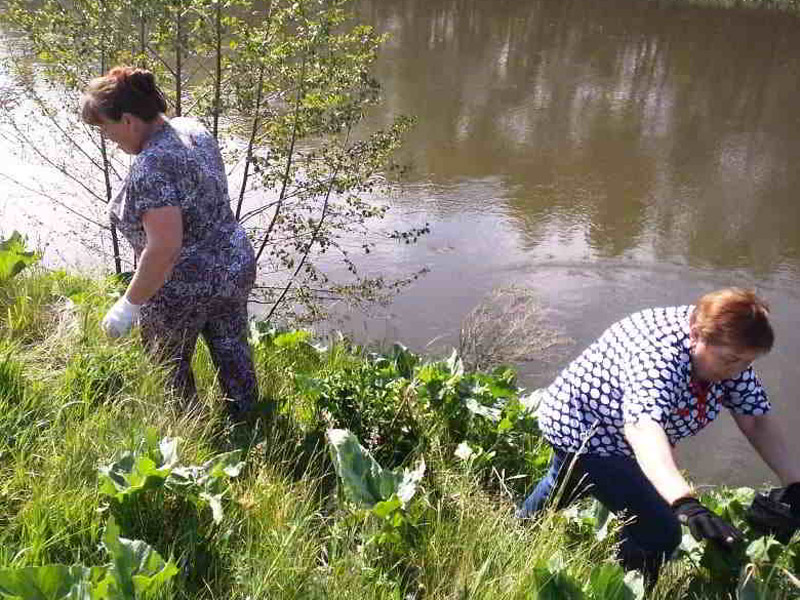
(654, 455)
(164, 229)
(767, 437)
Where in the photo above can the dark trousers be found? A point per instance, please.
(170, 332)
(651, 532)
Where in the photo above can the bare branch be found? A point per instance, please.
(251, 143)
(310, 243)
(54, 200)
(289, 158)
(61, 169)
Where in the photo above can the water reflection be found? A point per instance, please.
(642, 128)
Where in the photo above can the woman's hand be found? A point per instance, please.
(120, 318)
(792, 497)
(704, 524)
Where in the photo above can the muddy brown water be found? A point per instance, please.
(608, 156)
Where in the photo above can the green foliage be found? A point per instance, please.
(387, 494)
(285, 86)
(364, 481)
(610, 582)
(135, 569)
(14, 257)
(756, 568)
(398, 405)
(134, 473)
(434, 528)
(100, 374)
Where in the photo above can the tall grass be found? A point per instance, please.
(71, 400)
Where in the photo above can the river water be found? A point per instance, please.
(608, 156)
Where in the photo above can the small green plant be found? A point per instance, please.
(378, 493)
(758, 568)
(133, 473)
(15, 257)
(134, 569)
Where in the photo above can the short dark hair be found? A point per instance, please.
(734, 317)
(122, 90)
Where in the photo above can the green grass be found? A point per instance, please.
(71, 400)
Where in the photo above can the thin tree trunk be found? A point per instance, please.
(107, 169)
(289, 159)
(311, 242)
(178, 56)
(218, 82)
(114, 236)
(251, 143)
(142, 41)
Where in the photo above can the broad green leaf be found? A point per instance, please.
(556, 585)
(227, 464)
(215, 502)
(387, 507)
(292, 339)
(364, 481)
(129, 475)
(607, 582)
(136, 567)
(764, 550)
(489, 412)
(408, 485)
(50, 582)
(14, 257)
(505, 425)
(404, 360)
(634, 582)
(168, 447)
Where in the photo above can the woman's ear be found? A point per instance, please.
(694, 335)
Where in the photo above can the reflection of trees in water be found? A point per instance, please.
(633, 121)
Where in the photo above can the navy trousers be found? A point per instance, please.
(651, 532)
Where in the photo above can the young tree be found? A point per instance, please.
(285, 86)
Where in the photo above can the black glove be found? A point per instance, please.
(704, 524)
(771, 513)
(792, 497)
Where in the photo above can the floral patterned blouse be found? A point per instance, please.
(181, 166)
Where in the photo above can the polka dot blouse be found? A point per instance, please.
(639, 367)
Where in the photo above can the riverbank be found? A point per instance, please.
(91, 449)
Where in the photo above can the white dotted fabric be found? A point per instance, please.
(639, 367)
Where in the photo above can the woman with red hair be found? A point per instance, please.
(615, 413)
(195, 265)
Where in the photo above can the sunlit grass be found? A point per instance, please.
(71, 400)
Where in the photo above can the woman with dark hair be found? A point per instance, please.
(195, 265)
(615, 413)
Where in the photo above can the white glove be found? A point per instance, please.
(121, 317)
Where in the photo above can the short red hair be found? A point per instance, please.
(734, 317)
(122, 90)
